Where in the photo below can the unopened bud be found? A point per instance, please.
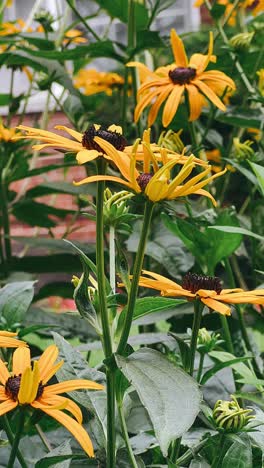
(241, 41)
(171, 140)
(243, 150)
(229, 416)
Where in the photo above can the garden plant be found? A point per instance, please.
(143, 346)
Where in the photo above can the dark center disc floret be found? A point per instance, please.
(253, 5)
(193, 282)
(12, 387)
(115, 138)
(182, 75)
(143, 180)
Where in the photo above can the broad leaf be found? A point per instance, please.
(242, 117)
(239, 455)
(171, 397)
(259, 172)
(236, 230)
(15, 299)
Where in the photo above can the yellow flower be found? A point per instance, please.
(93, 81)
(205, 288)
(170, 83)
(215, 156)
(27, 386)
(74, 36)
(155, 179)
(87, 146)
(6, 134)
(252, 6)
(8, 340)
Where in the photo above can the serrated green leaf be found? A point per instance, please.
(171, 397)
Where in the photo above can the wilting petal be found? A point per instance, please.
(49, 401)
(89, 180)
(21, 360)
(85, 156)
(7, 406)
(75, 428)
(178, 50)
(172, 104)
(216, 305)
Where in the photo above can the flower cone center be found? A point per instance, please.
(182, 75)
(143, 180)
(193, 282)
(253, 5)
(12, 387)
(115, 138)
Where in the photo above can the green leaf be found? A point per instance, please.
(242, 117)
(37, 214)
(236, 230)
(56, 456)
(217, 11)
(55, 245)
(148, 40)
(15, 299)
(184, 350)
(171, 397)
(119, 9)
(145, 306)
(248, 174)
(199, 462)
(259, 171)
(59, 187)
(239, 455)
(221, 365)
(82, 300)
(239, 367)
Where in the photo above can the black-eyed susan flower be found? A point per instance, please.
(8, 340)
(28, 386)
(87, 145)
(207, 289)
(74, 36)
(92, 81)
(155, 180)
(169, 84)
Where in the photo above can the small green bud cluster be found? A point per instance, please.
(171, 140)
(241, 41)
(243, 151)
(116, 211)
(207, 341)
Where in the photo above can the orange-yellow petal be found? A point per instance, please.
(178, 50)
(216, 305)
(210, 94)
(21, 360)
(156, 106)
(4, 374)
(172, 104)
(71, 385)
(47, 359)
(50, 401)
(89, 180)
(7, 406)
(196, 102)
(74, 428)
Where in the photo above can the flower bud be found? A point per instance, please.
(260, 74)
(116, 211)
(207, 341)
(241, 41)
(171, 140)
(243, 150)
(229, 416)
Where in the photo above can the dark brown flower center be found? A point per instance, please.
(143, 180)
(182, 75)
(12, 387)
(193, 282)
(115, 138)
(253, 5)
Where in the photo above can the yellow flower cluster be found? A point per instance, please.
(92, 81)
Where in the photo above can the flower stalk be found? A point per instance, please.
(10, 437)
(198, 310)
(136, 275)
(15, 444)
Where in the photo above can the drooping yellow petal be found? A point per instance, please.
(210, 94)
(196, 102)
(216, 305)
(59, 402)
(74, 428)
(85, 156)
(121, 160)
(7, 406)
(144, 71)
(178, 50)
(89, 180)
(172, 104)
(144, 102)
(21, 360)
(6, 342)
(157, 104)
(52, 371)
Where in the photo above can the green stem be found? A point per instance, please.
(198, 310)
(132, 459)
(82, 20)
(124, 101)
(175, 449)
(200, 368)
(11, 97)
(241, 321)
(136, 274)
(112, 255)
(227, 334)
(193, 136)
(5, 221)
(43, 438)
(16, 440)
(219, 453)
(11, 437)
(189, 454)
(107, 342)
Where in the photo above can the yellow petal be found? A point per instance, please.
(6, 342)
(61, 403)
(3, 395)
(196, 102)
(178, 50)
(47, 359)
(172, 104)
(216, 305)
(89, 180)
(74, 427)
(7, 406)
(26, 386)
(144, 102)
(156, 106)
(210, 94)
(4, 374)
(71, 385)
(78, 136)
(21, 360)
(85, 156)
